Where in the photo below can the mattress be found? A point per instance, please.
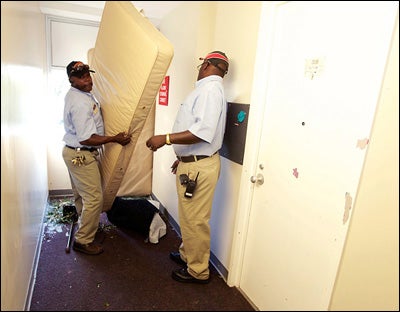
(131, 58)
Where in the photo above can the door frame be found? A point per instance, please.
(255, 126)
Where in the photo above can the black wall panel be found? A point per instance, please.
(235, 133)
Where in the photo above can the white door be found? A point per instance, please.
(327, 62)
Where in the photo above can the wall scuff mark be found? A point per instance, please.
(347, 207)
(361, 144)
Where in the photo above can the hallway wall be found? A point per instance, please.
(23, 147)
(368, 277)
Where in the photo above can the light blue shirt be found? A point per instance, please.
(82, 117)
(203, 113)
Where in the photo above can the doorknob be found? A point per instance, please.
(259, 179)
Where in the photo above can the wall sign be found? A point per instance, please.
(163, 93)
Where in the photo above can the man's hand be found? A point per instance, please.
(123, 138)
(174, 166)
(155, 142)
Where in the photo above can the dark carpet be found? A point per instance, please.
(131, 275)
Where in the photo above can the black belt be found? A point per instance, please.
(192, 158)
(90, 149)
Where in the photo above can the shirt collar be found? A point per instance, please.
(77, 90)
(207, 79)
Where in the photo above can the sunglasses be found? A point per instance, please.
(80, 70)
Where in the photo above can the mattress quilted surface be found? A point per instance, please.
(131, 58)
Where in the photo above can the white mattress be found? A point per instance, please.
(131, 58)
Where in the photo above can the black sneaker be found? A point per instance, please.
(182, 275)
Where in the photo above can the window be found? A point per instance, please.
(67, 40)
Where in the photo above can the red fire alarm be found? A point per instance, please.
(163, 93)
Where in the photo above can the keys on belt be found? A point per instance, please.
(78, 160)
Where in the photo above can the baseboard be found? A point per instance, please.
(32, 279)
(213, 259)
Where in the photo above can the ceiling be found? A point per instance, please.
(155, 11)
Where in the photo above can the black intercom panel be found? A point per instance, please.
(235, 132)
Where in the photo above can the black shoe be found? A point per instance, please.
(89, 249)
(176, 256)
(182, 275)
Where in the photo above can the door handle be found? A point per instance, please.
(259, 179)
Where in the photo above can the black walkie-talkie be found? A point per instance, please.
(191, 185)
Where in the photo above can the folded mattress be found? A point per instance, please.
(131, 58)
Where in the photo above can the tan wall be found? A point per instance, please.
(23, 148)
(368, 277)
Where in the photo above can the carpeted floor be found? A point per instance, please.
(131, 275)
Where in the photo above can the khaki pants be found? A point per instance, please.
(88, 193)
(195, 213)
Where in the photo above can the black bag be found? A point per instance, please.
(132, 213)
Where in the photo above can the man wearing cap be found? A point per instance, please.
(197, 136)
(84, 135)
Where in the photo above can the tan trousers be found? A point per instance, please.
(88, 193)
(195, 213)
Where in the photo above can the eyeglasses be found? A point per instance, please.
(199, 66)
(225, 71)
(80, 70)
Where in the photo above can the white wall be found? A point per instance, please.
(23, 147)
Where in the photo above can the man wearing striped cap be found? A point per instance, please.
(196, 137)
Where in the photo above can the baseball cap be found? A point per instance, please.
(215, 55)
